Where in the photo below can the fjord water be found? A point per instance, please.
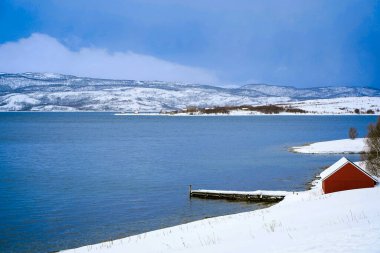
(72, 179)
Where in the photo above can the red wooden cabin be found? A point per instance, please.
(345, 175)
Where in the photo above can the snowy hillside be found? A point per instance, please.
(312, 93)
(55, 92)
(347, 221)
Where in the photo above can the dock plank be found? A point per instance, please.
(257, 196)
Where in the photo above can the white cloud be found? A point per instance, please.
(42, 53)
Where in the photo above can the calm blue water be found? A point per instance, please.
(71, 179)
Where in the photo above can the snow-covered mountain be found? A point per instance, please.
(55, 92)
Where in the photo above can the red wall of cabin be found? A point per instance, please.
(347, 178)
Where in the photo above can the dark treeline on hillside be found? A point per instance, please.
(266, 109)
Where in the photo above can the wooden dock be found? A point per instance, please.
(255, 196)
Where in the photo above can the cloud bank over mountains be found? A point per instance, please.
(43, 53)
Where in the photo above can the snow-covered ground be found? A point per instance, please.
(346, 105)
(333, 147)
(309, 221)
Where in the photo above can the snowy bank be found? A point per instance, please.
(343, 146)
(347, 221)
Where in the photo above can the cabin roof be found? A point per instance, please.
(338, 165)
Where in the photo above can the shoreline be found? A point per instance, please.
(115, 113)
(233, 114)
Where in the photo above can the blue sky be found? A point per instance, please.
(286, 42)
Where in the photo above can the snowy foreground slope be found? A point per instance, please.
(55, 92)
(347, 221)
(344, 146)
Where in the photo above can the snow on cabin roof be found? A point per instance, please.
(330, 170)
(340, 163)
